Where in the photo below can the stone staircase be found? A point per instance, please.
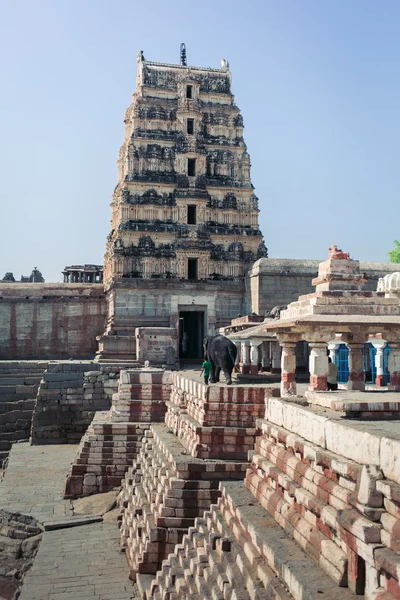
(105, 452)
(19, 384)
(162, 494)
(237, 551)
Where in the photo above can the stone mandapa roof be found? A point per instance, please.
(333, 320)
(259, 331)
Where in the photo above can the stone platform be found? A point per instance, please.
(355, 404)
(114, 438)
(207, 435)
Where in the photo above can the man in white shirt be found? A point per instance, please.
(332, 376)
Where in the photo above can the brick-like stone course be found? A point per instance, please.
(338, 507)
(162, 494)
(114, 438)
(207, 435)
(19, 383)
(235, 550)
(215, 421)
(69, 395)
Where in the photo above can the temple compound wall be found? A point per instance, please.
(278, 281)
(50, 320)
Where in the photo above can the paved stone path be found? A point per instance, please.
(77, 563)
(34, 480)
(81, 563)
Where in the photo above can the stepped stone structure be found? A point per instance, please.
(184, 221)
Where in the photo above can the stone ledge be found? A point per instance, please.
(294, 567)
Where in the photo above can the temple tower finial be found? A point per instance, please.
(183, 55)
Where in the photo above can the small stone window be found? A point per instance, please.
(192, 268)
(191, 167)
(190, 126)
(189, 91)
(191, 214)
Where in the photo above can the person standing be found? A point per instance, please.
(332, 376)
(205, 368)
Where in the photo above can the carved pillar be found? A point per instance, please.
(275, 357)
(265, 357)
(394, 366)
(356, 367)
(379, 346)
(245, 357)
(288, 369)
(318, 366)
(253, 358)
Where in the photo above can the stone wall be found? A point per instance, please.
(19, 383)
(50, 321)
(333, 485)
(275, 281)
(158, 345)
(69, 395)
(156, 302)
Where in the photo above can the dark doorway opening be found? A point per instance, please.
(189, 91)
(192, 268)
(191, 167)
(191, 214)
(191, 335)
(190, 126)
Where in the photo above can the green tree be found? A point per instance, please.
(394, 255)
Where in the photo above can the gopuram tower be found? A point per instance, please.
(184, 226)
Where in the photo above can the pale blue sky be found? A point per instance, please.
(317, 83)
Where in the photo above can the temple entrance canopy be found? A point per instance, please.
(340, 314)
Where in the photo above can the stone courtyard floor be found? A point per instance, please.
(82, 562)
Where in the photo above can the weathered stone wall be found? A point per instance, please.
(333, 484)
(275, 281)
(158, 345)
(156, 302)
(69, 395)
(19, 383)
(50, 321)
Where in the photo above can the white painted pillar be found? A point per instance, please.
(379, 346)
(318, 365)
(245, 357)
(333, 347)
(253, 358)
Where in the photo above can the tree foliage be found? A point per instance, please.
(394, 255)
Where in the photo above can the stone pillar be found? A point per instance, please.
(379, 379)
(239, 349)
(356, 367)
(265, 357)
(288, 369)
(253, 358)
(318, 366)
(394, 366)
(333, 347)
(275, 357)
(245, 357)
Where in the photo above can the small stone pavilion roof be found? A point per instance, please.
(339, 306)
(257, 331)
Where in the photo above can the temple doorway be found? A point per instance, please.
(191, 335)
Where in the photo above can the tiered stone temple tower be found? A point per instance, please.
(184, 227)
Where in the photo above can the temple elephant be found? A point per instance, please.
(221, 353)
